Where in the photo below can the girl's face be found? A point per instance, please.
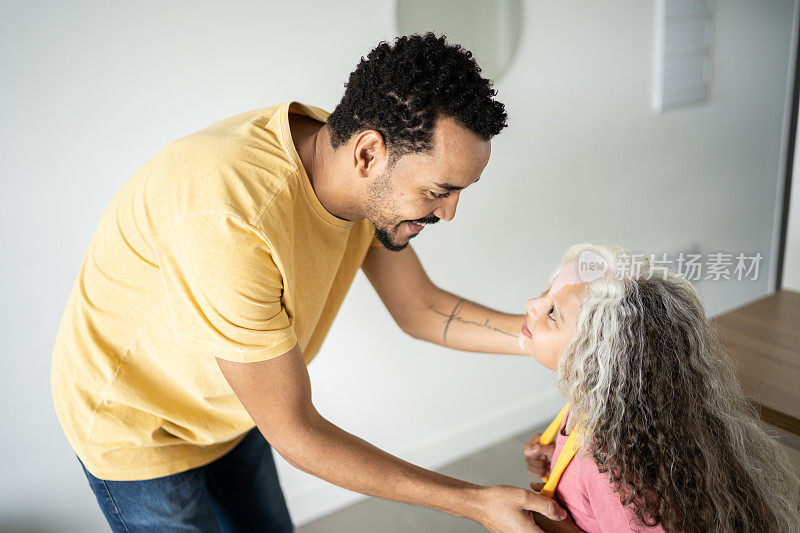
(551, 318)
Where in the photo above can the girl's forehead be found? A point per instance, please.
(568, 300)
(568, 274)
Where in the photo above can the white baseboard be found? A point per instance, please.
(321, 498)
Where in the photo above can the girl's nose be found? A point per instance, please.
(531, 304)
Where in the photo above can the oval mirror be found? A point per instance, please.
(490, 29)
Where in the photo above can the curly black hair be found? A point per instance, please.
(399, 90)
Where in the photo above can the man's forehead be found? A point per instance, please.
(459, 149)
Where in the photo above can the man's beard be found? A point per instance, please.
(378, 202)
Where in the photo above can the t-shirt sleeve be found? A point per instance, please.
(605, 504)
(223, 288)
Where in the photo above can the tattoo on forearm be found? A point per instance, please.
(454, 316)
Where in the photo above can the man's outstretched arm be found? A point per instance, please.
(453, 321)
(277, 395)
(429, 313)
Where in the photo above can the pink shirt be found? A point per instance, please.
(589, 496)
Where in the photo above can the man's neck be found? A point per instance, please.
(312, 140)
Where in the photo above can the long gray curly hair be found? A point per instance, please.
(657, 394)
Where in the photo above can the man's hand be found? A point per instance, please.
(551, 526)
(508, 508)
(538, 456)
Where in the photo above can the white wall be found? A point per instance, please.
(92, 89)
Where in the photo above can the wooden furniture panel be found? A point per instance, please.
(763, 338)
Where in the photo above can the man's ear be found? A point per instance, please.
(369, 152)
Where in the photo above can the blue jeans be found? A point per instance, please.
(240, 491)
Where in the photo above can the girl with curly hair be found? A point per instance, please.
(663, 437)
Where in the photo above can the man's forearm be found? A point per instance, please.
(276, 393)
(330, 453)
(452, 321)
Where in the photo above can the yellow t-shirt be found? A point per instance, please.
(217, 246)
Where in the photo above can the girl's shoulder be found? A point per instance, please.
(591, 494)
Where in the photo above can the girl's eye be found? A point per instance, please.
(445, 195)
(551, 314)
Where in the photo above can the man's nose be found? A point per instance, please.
(447, 209)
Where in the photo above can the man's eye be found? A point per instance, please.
(445, 195)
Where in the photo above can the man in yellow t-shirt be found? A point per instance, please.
(215, 274)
